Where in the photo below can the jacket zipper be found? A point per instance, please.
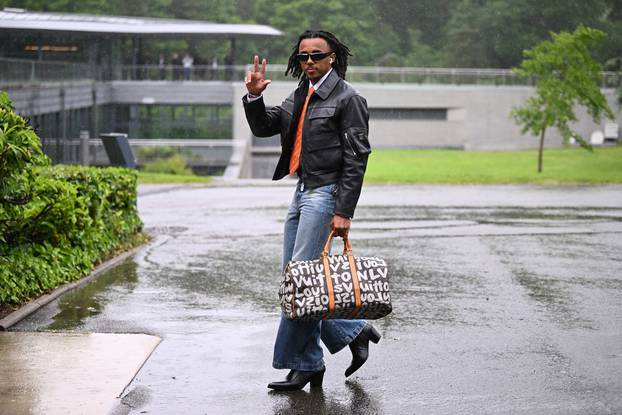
(350, 144)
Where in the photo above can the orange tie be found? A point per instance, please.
(294, 161)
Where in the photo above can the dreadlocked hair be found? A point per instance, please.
(341, 51)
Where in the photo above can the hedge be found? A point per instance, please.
(56, 222)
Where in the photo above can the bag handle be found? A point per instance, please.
(347, 248)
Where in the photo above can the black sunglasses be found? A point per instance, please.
(317, 56)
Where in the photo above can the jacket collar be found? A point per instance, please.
(328, 85)
(325, 89)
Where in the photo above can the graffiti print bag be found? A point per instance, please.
(326, 288)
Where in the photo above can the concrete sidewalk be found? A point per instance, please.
(507, 299)
(68, 373)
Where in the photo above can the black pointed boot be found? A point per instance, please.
(298, 379)
(360, 348)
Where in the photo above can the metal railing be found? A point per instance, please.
(200, 154)
(19, 71)
(62, 150)
(438, 76)
(174, 73)
(442, 76)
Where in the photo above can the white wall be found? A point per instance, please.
(478, 117)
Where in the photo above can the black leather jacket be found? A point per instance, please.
(335, 143)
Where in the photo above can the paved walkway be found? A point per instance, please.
(507, 299)
(68, 373)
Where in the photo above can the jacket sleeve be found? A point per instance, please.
(263, 123)
(356, 149)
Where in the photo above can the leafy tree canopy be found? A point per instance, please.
(460, 33)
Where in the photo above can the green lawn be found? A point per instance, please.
(163, 178)
(566, 166)
(560, 166)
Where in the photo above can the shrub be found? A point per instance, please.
(56, 222)
(175, 164)
(147, 154)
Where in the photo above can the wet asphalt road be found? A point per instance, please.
(507, 300)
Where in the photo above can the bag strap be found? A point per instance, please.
(346, 245)
(347, 250)
(329, 287)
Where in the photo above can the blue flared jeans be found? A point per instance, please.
(307, 227)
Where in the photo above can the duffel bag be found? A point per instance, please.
(336, 287)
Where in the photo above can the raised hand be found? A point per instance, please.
(254, 80)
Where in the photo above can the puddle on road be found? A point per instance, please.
(317, 401)
(71, 310)
(90, 300)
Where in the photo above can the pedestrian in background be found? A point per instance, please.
(187, 62)
(324, 135)
(162, 66)
(176, 62)
(214, 71)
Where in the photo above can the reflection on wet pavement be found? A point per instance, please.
(506, 299)
(70, 310)
(356, 401)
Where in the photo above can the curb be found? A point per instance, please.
(24, 311)
(148, 189)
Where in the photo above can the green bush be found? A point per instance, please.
(56, 222)
(175, 164)
(146, 154)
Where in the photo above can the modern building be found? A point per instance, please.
(60, 68)
(108, 41)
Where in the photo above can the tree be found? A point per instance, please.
(428, 17)
(354, 22)
(492, 33)
(566, 75)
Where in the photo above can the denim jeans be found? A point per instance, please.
(307, 227)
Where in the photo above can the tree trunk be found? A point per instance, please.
(541, 151)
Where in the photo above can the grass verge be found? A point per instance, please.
(560, 166)
(163, 178)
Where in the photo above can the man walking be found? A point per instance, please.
(324, 134)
